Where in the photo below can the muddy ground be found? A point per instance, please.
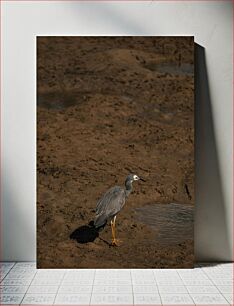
(106, 107)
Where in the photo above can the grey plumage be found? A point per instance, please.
(109, 205)
(113, 201)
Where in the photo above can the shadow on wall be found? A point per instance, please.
(18, 222)
(117, 21)
(211, 232)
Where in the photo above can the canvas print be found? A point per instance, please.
(115, 152)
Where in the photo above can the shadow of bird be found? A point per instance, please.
(86, 233)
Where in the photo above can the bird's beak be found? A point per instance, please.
(141, 179)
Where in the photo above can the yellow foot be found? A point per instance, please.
(116, 242)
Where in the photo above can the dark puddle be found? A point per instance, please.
(173, 223)
(171, 68)
(60, 100)
(63, 99)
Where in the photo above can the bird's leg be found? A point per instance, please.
(114, 240)
(113, 233)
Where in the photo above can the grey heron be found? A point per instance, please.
(111, 203)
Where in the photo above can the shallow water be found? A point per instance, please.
(173, 69)
(173, 223)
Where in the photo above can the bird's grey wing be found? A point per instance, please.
(111, 202)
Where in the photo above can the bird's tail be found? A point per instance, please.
(100, 222)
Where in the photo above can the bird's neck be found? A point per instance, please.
(128, 188)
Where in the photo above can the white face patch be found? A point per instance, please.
(135, 177)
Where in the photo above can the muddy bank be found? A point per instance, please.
(107, 107)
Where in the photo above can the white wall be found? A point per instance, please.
(211, 24)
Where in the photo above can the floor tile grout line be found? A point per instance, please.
(133, 299)
(8, 272)
(221, 293)
(183, 283)
(59, 287)
(28, 287)
(186, 288)
(92, 286)
(155, 279)
(216, 286)
(5, 276)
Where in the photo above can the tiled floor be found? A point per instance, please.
(208, 284)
